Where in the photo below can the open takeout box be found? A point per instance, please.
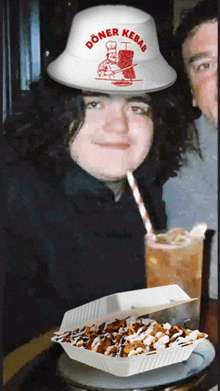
(119, 306)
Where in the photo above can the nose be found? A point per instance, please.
(116, 120)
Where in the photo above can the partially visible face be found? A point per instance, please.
(113, 57)
(116, 135)
(200, 57)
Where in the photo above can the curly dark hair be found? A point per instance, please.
(42, 135)
(203, 12)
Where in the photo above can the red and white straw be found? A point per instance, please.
(140, 203)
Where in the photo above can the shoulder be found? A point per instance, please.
(186, 184)
(23, 184)
(205, 128)
(203, 123)
(191, 164)
(104, 62)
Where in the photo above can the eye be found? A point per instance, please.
(92, 105)
(140, 109)
(205, 66)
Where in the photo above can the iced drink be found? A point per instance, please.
(176, 258)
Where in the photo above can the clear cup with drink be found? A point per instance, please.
(174, 257)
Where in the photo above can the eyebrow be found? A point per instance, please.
(199, 56)
(144, 99)
(138, 98)
(91, 93)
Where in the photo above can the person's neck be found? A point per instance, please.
(117, 188)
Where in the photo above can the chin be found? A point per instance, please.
(212, 118)
(211, 113)
(114, 175)
(111, 176)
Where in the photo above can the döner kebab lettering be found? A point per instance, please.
(115, 32)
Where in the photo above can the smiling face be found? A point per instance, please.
(115, 137)
(200, 55)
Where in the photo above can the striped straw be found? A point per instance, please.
(140, 203)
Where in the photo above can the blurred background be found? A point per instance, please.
(35, 32)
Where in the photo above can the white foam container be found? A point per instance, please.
(120, 305)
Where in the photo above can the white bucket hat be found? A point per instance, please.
(113, 48)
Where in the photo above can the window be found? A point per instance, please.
(21, 49)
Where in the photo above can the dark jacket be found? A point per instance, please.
(68, 242)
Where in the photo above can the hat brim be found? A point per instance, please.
(153, 75)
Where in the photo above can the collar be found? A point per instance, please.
(89, 193)
(78, 183)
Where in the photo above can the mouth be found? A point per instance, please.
(119, 145)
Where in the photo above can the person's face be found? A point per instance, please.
(112, 57)
(116, 135)
(200, 58)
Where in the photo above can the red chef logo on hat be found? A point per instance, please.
(117, 67)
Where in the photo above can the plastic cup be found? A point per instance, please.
(176, 258)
